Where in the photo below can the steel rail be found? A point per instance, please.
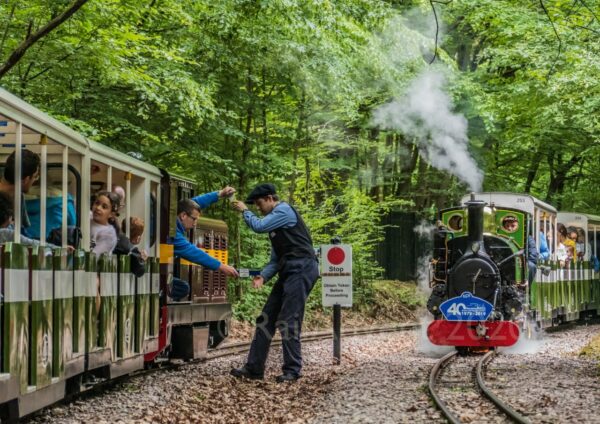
(329, 334)
(514, 415)
(435, 371)
(238, 348)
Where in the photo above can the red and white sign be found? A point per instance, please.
(336, 274)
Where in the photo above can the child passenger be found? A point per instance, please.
(104, 228)
(126, 246)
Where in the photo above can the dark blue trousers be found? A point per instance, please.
(284, 310)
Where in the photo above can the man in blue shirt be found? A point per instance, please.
(293, 258)
(188, 212)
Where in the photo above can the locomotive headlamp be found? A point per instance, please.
(475, 247)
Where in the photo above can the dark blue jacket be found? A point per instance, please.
(188, 251)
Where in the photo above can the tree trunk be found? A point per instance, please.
(373, 159)
(245, 153)
(297, 143)
(407, 157)
(533, 168)
(559, 171)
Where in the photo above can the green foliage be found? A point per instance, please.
(533, 89)
(238, 92)
(248, 307)
(354, 217)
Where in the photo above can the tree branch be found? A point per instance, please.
(12, 13)
(437, 26)
(589, 29)
(590, 10)
(557, 36)
(31, 39)
(60, 60)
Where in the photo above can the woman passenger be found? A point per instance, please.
(104, 227)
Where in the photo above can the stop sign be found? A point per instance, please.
(336, 255)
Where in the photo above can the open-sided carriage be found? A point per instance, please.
(69, 319)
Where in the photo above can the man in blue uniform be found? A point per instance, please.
(188, 212)
(293, 258)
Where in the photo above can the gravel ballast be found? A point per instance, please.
(382, 378)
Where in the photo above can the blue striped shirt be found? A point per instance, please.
(282, 216)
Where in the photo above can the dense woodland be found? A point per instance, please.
(352, 108)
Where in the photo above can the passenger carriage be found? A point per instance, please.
(579, 282)
(52, 341)
(559, 294)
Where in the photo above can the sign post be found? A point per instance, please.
(336, 276)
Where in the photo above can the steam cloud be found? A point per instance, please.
(425, 231)
(425, 114)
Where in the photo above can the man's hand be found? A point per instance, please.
(239, 206)
(226, 191)
(229, 270)
(144, 254)
(258, 281)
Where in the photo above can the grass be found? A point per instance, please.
(375, 303)
(592, 350)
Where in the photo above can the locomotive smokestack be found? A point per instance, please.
(475, 208)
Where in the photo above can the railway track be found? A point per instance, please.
(464, 386)
(231, 349)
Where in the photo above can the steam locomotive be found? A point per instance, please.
(487, 285)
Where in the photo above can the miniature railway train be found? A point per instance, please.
(71, 318)
(502, 263)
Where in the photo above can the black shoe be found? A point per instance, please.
(287, 377)
(244, 372)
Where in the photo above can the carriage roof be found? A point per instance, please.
(37, 123)
(522, 202)
(576, 219)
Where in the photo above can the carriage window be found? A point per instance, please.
(456, 222)
(510, 223)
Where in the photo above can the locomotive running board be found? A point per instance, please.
(473, 333)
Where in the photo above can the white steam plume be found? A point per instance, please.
(425, 114)
(425, 232)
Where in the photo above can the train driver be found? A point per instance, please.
(188, 212)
